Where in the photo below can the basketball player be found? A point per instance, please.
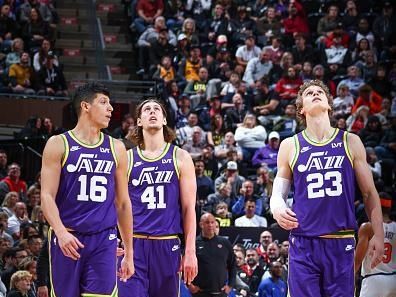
(323, 163)
(162, 187)
(381, 280)
(84, 190)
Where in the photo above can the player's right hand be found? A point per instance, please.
(286, 218)
(69, 244)
(127, 268)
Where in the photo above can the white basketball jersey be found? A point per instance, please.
(388, 264)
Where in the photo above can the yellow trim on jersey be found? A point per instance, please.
(113, 152)
(154, 159)
(141, 236)
(346, 147)
(50, 265)
(297, 152)
(100, 141)
(310, 141)
(175, 163)
(340, 234)
(66, 153)
(130, 162)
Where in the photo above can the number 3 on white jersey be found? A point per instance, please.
(316, 181)
(149, 197)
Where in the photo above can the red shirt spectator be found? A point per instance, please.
(287, 87)
(150, 7)
(369, 98)
(297, 21)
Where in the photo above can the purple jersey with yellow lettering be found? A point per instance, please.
(154, 191)
(324, 185)
(86, 192)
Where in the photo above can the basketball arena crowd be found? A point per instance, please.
(228, 72)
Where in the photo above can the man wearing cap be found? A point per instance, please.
(381, 280)
(50, 78)
(232, 178)
(267, 155)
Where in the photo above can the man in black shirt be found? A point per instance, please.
(216, 262)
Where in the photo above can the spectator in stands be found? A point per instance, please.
(159, 48)
(257, 68)
(222, 195)
(358, 119)
(3, 164)
(40, 58)
(30, 264)
(384, 23)
(387, 147)
(369, 98)
(268, 26)
(50, 78)
(267, 155)
(250, 136)
(189, 67)
(126, 125)
(148, 11)
(248, 51)
(39, 221)
(374, 165)
(200, 11)
(197, 89)
(266, 101)
(48, 129)
(287, 87)
(364, 32)
(196, 144)
(15, 221)
(343, 103)
(242, 25)
(205, 185)
(185, 132)
(368, 66)
(328, 22)
(319, 74)
(26, 8)
(35, 31)
(351, 17)
(336, 51)
(20, 284)
(9, 202)
(13, 182)
(360, 50)
(372, 133)
(265, 239)
(250, 219)
(14, 56)
(275, 49)
(21, 76)
(274, 285)
(165, 73)
(231, 177)
(223, 215)
(33, 199)
(380, 82)
(13, 257)
(253, 271)
(217, 25)
(247, 193)
(302, 51)
(229, 88)
(3, 231)
(189, 31)
(8, 28)
(353, 81)
(228, 145)
(385, 112)
(217, 132)
(296, 22)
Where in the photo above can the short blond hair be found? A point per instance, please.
(299, 100)
(18, 276)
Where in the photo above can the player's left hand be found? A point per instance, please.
(189, 266)
(127, 268)
(376, 250)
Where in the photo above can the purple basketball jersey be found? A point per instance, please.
(154, 191)
(86, 190)
(324, 185)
